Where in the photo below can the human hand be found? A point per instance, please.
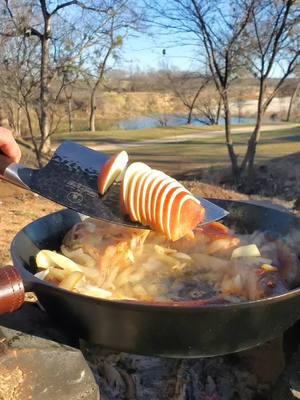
(8, 145)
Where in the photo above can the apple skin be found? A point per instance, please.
(112, 169)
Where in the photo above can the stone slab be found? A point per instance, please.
(33, 367)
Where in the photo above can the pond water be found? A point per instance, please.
(159, 120)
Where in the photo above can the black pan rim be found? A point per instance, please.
(161, 306)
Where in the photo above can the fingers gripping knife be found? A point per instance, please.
(70, 179)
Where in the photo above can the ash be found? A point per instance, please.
(123, 376)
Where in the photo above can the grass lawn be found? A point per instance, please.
(194, 153)
(134, 135)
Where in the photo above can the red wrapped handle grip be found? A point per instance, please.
(12, 292)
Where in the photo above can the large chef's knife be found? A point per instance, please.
(70, 179)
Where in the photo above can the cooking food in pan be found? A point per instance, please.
(216, 265)
(196, 328)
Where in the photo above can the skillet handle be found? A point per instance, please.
(12, 292)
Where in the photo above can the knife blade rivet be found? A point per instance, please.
(75, 197)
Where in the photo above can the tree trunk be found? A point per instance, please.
(293, 97)
(33, 139)
(252, 148)
(45, 144)
(189, 118)
(93, 105)
(249, 158)
(192, 106)
(93, 111)
(70, 114)
(18, 115)
(18, 120)
(229, 143)
(218, 111)
(101, 71)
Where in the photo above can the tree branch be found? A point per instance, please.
(208, 43)
(278, 35)
(79, 4)
(66, 4)
(32, 32)
(289, 70)
(44, 9)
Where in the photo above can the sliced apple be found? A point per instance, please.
(153, 200)
(149, 194)
(130, 203)
(145, 190)
(186, 214)
(162, 199)
(138, 193)
(174, 212)
(112, 170)
(168, 206)
(133, 168)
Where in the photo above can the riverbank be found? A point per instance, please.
(140, 110)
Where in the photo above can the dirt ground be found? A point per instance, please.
(17, 209)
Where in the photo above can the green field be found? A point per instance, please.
(143, 134)
(191, 154)
(135, 135)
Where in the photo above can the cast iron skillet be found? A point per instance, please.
(187, 330)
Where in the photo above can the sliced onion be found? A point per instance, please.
(250, 250)
(42, 274)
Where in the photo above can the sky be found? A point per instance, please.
(145, 52)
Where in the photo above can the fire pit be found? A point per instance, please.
(247, 374)
(264, 372)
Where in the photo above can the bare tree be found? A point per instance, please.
(108, 37)
(209, 107)
(253, 34)
(187, 87)
(216, 29)
(37, 20)
(95, 76)
(19, 81)
(273, 41)
(10, 71)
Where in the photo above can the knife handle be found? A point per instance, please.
(12, 292)
(9, 171)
